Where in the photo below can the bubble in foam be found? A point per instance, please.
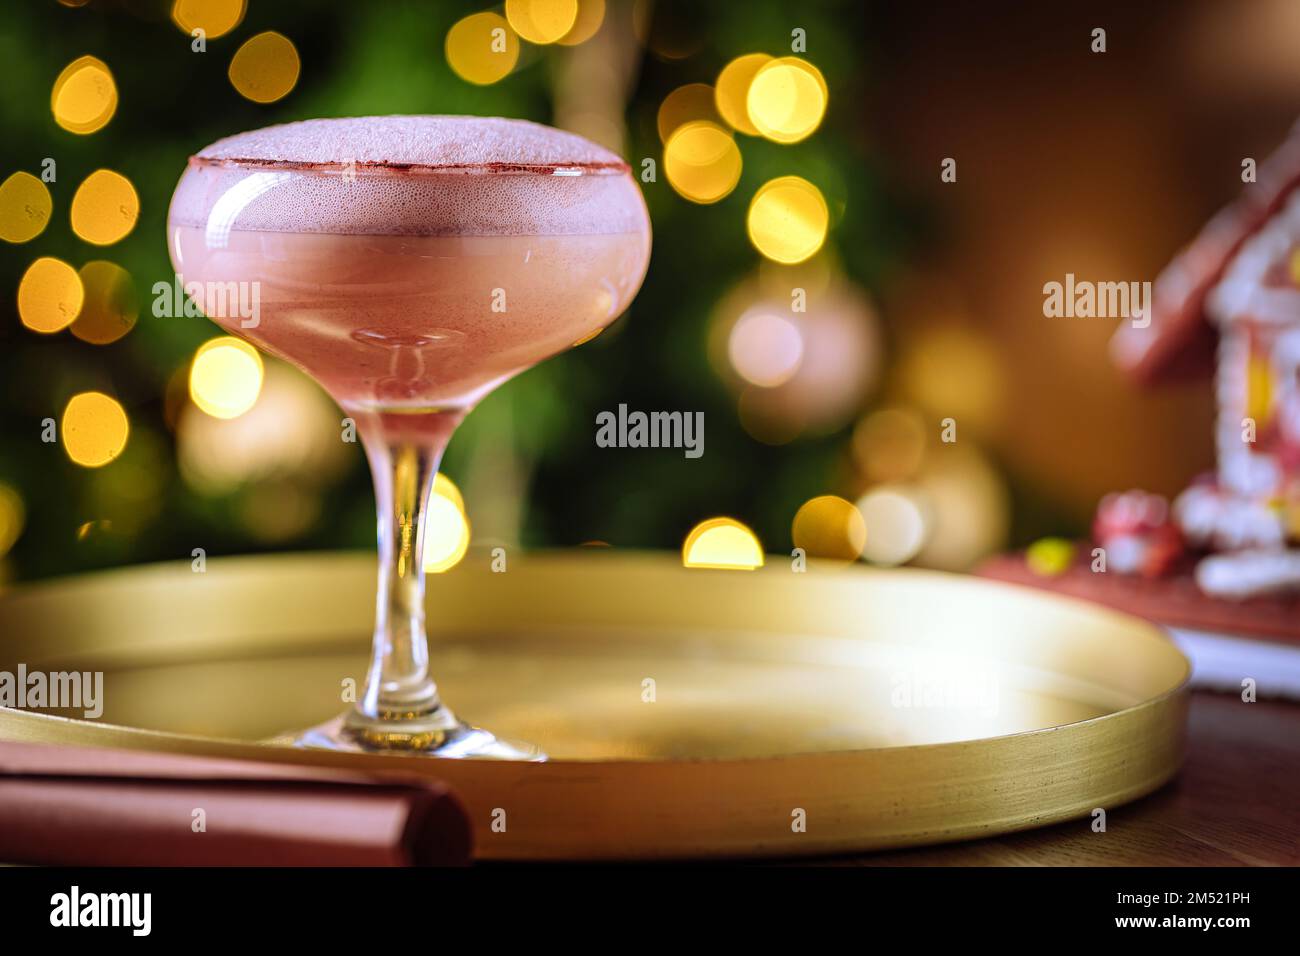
(409, 175)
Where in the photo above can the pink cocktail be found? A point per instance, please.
(410, 265)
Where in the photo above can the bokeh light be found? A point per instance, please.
(731, 93)
(829, 527)
(84, 97)
(265, 68)
(482, 48)
(1049, 557)
(25, 207)
(446, 528)
(788, 219)
(954, 372)
(50, 295)
(786, 99)
(542, 21)
(889, 445)
(784, 389)
(591, 14)
(290, 437)
(105, 207)
(968, 507)
(226, 377)
(702, 162)
(722, 543)
(13, 516)
(445, 487)
(896, 525)
(110, 308)
(213, 17)
(686, 104)
(765, 348)
(94, 430)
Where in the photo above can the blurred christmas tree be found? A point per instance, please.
(744, 124)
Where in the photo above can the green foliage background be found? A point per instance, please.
(379, 58)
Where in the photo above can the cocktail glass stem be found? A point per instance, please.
(400, 705)
(398, 685)
(400, 709)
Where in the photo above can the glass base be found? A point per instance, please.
(456, 740)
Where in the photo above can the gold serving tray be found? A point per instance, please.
(687, 713)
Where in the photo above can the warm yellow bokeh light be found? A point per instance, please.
(686, 104)
(1049, 557)
(702, 162)
(225, 377)
(104, 207)
(13, 515)
(95, 429)
(482, 48)
(213, 17)
(896, 525)
(84, 97)
(446, 488)
(591, 14)
(786, 99)
(542, 21)
(829, 527)
(110, 308)
(788, 219)
(722, 543)
(50, 295)
(25, 207)
(732, 90)
(265, 68)
(446, 533)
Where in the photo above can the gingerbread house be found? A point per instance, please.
(1230, 301)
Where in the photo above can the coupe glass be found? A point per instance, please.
(409, 290)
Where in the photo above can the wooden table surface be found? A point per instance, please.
(1236, 803)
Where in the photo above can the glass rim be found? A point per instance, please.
(384, 168)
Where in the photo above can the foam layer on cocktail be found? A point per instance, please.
(409, 175)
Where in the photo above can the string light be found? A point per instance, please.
(591, 14)
(686, 104)
(265, 68)
(110, 309)
(732, 90)
(722, 543)
(214, 17)
(702, 162)
(829, 527)
(542, 21)
(226, 377)
(104, 208)
(50, 295)
(482, 48)
(84, 97)
(25, 207)
(95, 429)
(788, 219)
(446, 527)
(786, 99)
